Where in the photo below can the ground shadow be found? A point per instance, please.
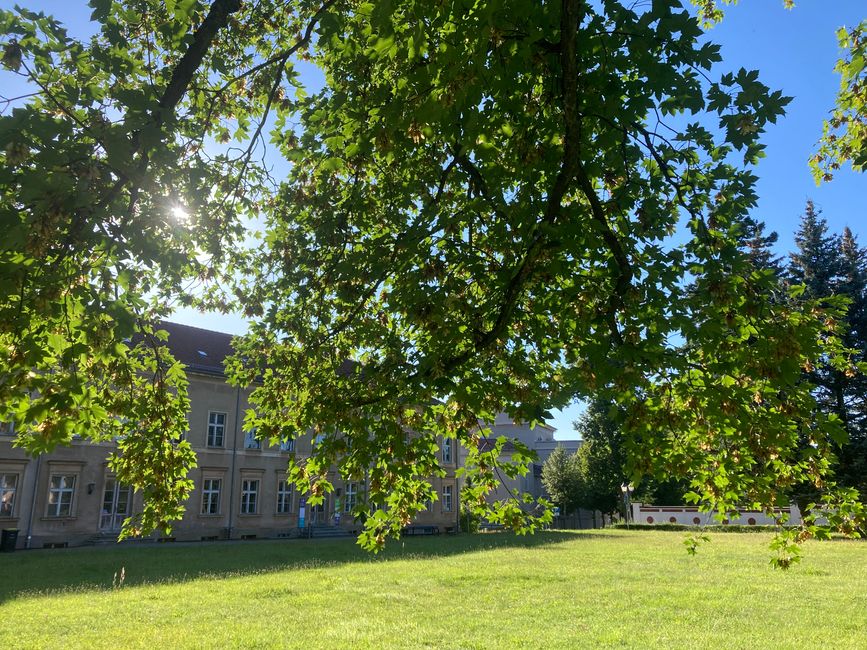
(86, 568)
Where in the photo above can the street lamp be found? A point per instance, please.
(626, 489)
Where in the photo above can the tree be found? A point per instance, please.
(853, 285)
(852, 466)
(829, 266)
(816, 264)
(589, 478)
(561, 480)
(478, 214)
(760, 247)
(845, 134)
(832, 268)
(601, 459)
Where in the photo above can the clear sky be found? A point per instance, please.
(795, 51)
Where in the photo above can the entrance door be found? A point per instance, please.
(116, 505)
(317, 513)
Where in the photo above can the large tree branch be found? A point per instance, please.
(570, 167)
(623, 279)
(669, 175)
(471, 170)
(281, 58)
(182, 74)
(400, 240)
(540, 241)
(217, 19)
(573, 166)
(569, 19)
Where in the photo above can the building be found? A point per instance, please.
(70, 497)
(539, 439)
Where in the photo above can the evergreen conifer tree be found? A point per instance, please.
(816, 263)
(760, 247)
(831, 266)
(853, 285)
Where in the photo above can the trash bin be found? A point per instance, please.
(8, 539)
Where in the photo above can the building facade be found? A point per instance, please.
(70, 496)
(539, 439)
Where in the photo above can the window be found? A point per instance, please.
(249, 496)
(284, 497)
(287, 445)
(447, 498)
(250, 440)
(7, 428)
(216, 428)
(61, 488)
(428, 505)
(116, 504)
(351, 497)
(8, 483)
(211, 496)
(447, 450)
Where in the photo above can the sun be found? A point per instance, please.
(180, 214)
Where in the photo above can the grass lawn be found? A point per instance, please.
(555, 589)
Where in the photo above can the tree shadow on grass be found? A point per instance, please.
(97, 568)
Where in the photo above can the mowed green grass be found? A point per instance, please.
(553, 590)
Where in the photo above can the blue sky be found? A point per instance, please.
(795, 51)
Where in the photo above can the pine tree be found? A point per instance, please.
(829, 266)
(853, 285)
(760, 247)
(816, 264)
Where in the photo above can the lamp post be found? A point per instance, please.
(626, 489)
